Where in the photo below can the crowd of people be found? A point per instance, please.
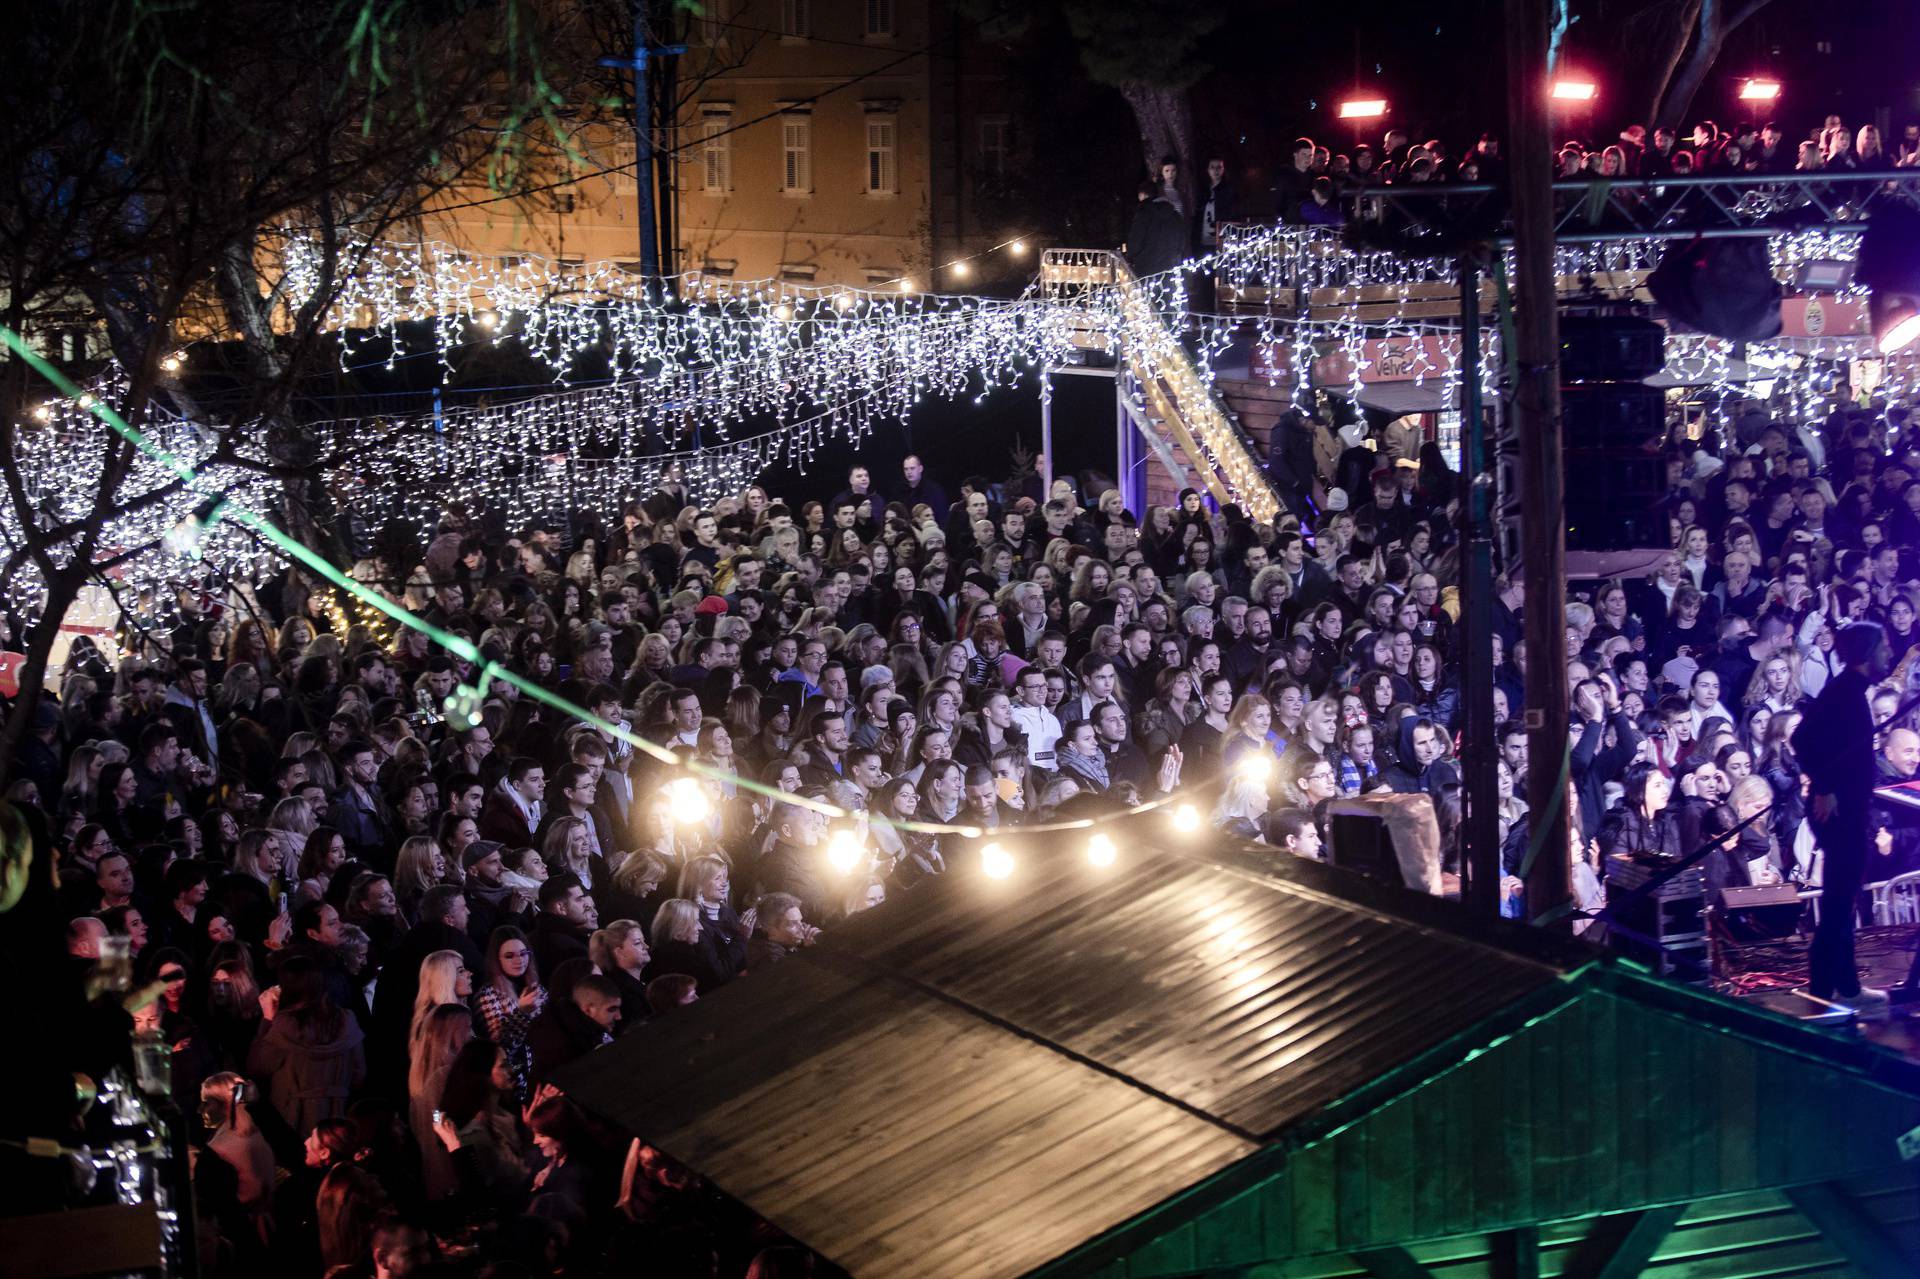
(1316, 185)
(376, 931)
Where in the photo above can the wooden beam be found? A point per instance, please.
(1620, 1245)
(1845, 1225)
(83, 1241)
(1391, 1263)
(1514, 1254)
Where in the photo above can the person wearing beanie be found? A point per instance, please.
(1835, 746)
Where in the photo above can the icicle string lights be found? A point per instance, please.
(465, 650)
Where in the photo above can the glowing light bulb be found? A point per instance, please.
(687, 800)
(844, 851)
(171, 364)
(906, 286)
(1257, 767)
(996, 861)
(1185, 818)
(88, 400)
(1101, 850)
(43, 413)
(960, 270)
(486, 319)
(783, 312)
(843, 301)
(1018, 248)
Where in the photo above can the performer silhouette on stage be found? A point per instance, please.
(1834, 744)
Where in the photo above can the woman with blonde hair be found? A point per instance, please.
(632, 891)
(444, 979)
(705, 882)
(83, 774)
(620, 952)
(1241, 806)
(420, 866)
(568, 845)
(681, 945)
(294, 816)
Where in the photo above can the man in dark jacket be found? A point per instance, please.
(1157, 240)
(1290, 460)
(567, 919)
(1421, 768)
(1596, 707)
(442, 926)
(1834, 744)
(573, 1027)
(796, 863)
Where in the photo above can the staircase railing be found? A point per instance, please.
(1122, 314)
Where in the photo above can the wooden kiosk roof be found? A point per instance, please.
(1192, 1060)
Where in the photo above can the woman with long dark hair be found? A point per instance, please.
(310, 1053)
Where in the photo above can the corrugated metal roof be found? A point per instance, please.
(1252, 999)
(982, 1075)
(892, 1131)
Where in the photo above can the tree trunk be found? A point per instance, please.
(1682, 36)
(251, 314)
(1718, 20)
(62, 591)
(1165, 120)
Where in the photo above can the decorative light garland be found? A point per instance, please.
(724, 352)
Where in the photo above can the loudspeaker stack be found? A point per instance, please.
(1612, 426)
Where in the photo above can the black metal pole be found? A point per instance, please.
(643, 144)
(1479, 757)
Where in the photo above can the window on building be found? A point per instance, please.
(880, 20)
(796, 19)
(722, 267)
(799, 272)
(714, 22)
(621, 157)
(882, 165)
(796, 147)
(716, 152)
(995, 142)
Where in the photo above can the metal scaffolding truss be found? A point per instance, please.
(1718, 205)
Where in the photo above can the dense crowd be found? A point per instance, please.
(377, 933)
(1318, 186)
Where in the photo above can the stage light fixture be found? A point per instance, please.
(996, 861)
(844, 851)
(687, 801)
(1896, 321)
(1101, 850)
(1759, 90)
(1256, 767)
(1575, 90)
(1363, 109)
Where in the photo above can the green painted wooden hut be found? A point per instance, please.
(1211, 1064)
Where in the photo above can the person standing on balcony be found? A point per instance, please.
(1157, 240)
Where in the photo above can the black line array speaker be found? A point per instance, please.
(1612, 424)
(1610, 348)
